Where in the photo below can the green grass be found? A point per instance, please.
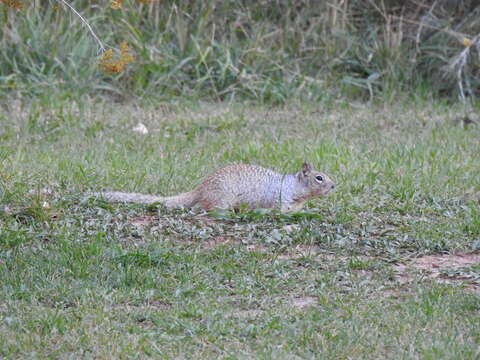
(83, 278)
(231, 50)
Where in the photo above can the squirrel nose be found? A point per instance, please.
(333, 186)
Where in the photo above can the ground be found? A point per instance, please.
(387, 266)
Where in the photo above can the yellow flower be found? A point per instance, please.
(125, 54)
(466, 42)
(13, 4)
(111, 64)
(116, 4)
(107, 55)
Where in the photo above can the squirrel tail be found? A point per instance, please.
(182, 200)
(186, 199)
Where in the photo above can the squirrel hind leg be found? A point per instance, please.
(212, 202)
(209, 204)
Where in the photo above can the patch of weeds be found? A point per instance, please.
(344, 217)
(265, 215)
(144, 260)
(469, 275)
(468, 304)
(356, 263)
(93, 129)
(98, 202)
(13, 238)
(14, 191)
(472, 221)
(36, 213)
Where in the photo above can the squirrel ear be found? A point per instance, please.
(306, 168)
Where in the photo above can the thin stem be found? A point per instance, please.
(102, 47)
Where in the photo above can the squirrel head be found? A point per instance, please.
(317, 183)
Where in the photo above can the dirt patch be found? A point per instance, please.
(448, 269)
(143, 221)
(446, 261)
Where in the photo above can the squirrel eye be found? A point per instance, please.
(319, 177)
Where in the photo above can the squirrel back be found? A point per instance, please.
(243, 185)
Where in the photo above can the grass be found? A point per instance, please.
(83, 278)
(231, 50)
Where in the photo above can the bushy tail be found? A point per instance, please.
(182, 200)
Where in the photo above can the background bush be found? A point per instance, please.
(269, 51)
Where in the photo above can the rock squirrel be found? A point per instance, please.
(242, 185)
